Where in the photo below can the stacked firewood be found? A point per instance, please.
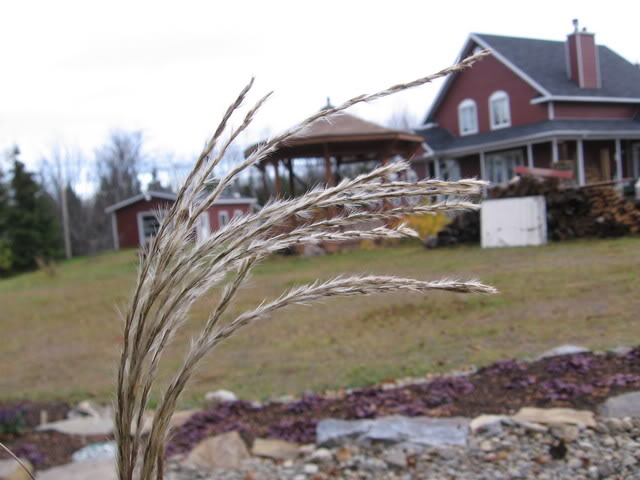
(577, 212)
(571, 212)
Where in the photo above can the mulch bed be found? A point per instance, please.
(581, 381)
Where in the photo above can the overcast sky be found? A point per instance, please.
(73, 70)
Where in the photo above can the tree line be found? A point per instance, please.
(36, 206)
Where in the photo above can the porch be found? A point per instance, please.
(589, 160)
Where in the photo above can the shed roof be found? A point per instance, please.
(172, 197)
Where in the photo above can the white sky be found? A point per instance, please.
(73, 70)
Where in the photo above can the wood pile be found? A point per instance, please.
(572, 212)
(577, 212)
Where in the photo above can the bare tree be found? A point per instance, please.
(117, 166)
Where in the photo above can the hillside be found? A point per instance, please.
(61, 335)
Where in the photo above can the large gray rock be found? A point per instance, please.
(394, 429)
(222, 451)
(90, 469)
(80, 426)
(564, 350)
(625, 405)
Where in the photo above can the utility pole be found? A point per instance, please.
(65, 219)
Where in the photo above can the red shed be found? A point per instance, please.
(134, 220)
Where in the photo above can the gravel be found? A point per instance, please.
(610, 450)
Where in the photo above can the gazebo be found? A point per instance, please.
(340, 139)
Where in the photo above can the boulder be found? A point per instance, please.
(222, 451)
(625, 405)
(553, 416)
(564, 350)
(80, 426)
(276, 449)
(394, 429)
(12, 470)
(90, 469)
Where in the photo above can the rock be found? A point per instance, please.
(531, 426)
(310, 469)
(568, 433)
(80, 426)
(395, 458)
(12, 470)
(625, 405)
(88, 408)
(343, 454)
(96, 451)
(371, 464)
(488, 423)
(564, 350)
(277, 449)
(321, 455)
(220, 396)
(222, 451)
(394, 429)
(620, 351)
(555, 416)
(90, 469)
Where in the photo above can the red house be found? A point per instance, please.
(571, 105)
(134, 220)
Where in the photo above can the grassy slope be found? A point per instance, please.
(60, 336)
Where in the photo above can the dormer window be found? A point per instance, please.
(468, 117)
(499, 111)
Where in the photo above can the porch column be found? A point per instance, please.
(276, 178)
(436, 168)
(529, 155)
(483, 167)
(554, 150)
(580, 159)
(618, 157)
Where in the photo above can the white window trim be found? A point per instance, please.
(141, 236)
(466, 103)
(496, 96)
(221, 214)
(238, 212)
(203, 226)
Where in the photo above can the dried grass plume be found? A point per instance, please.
(176, 269)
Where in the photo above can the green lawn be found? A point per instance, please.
(60, 336)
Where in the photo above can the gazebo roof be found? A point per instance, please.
(344, 134)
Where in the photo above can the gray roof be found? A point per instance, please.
(440, 140)
(545, 62)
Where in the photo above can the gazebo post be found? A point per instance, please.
(292, 186)
(327, 167)
(276, 178)
(265, 185)
(336, 174)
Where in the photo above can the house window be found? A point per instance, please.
(237, 213)
(499, 111)
(468, 117)
(148, 226)
(223, 218)
(500, 166)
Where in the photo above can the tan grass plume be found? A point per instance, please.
(176, 270)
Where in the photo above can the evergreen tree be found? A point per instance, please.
(32, 229)
(5, 247)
